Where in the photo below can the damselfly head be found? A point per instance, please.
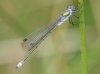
(71, 8)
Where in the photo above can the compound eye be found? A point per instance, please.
(73, 9)
(68, 6)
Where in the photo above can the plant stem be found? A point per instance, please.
(83, 37)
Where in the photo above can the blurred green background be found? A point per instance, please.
(60, 52)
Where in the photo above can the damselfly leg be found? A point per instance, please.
(75, 16)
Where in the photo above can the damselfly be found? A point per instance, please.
(33, 40)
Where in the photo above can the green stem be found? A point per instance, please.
(83, 37)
